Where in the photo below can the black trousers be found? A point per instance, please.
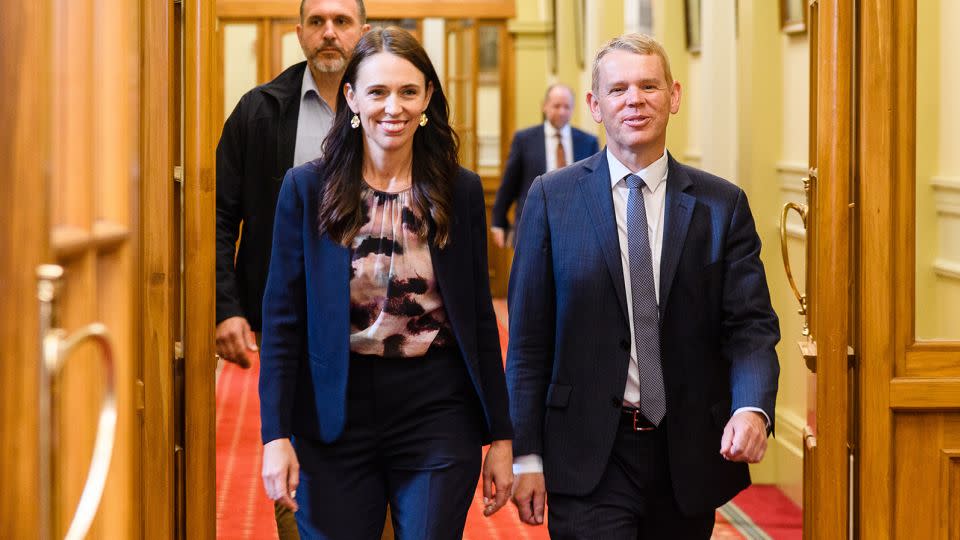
(634, 499)
(413, 438)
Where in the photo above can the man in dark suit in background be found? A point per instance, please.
(275, 126)
(641, 364)
(536, 150)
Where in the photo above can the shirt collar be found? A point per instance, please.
(551, 132)
(308, 85)
(653, 175)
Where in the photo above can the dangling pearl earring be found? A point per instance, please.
(423, 119)
(355, 121)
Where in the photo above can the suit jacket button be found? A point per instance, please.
(624, 344)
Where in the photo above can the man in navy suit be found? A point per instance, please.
(536, 150)
(641, 364)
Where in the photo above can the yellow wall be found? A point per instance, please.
(772, 149)
(532, 30)
(668, 21)
(536, 55)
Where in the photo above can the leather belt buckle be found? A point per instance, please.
(640, 423)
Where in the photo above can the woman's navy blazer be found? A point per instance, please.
(305, 352)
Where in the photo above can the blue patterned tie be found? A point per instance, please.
(646, 314)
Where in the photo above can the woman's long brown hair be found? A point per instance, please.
(434, 151)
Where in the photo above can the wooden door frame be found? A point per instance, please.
(201, 131)
(159, 272)
(159, 267)
(379, 9)
(830, 218)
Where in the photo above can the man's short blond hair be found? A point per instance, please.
(637, 44)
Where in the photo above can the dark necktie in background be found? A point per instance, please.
(646, 314)
(561, 153)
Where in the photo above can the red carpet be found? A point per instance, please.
(243, 510)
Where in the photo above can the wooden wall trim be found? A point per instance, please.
(158, 268)
(201, 126)
(908, 393)
(377, 9)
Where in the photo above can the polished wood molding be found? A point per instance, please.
(376, 9)
(201, 127)
(908, 393)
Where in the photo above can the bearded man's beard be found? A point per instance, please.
(325, 65)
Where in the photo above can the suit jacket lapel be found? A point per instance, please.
(598, 197)
(677, 214)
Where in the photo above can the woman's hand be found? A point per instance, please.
(497, 473)
(281, 472)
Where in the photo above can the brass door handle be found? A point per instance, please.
(56, 348)
(802, 210)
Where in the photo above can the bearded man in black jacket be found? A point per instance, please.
(274, 127)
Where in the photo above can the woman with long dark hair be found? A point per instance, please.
(381, 374)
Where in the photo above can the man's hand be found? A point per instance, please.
(281, 472)
(234, 340)
(530, 496)
(745, 437)
(497, 473)
(499, 236)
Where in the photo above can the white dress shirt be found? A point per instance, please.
(550, 144)
(654, 197)
(313, 121)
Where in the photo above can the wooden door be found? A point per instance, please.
(71, 198)
(909, 389)
(883, 449)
